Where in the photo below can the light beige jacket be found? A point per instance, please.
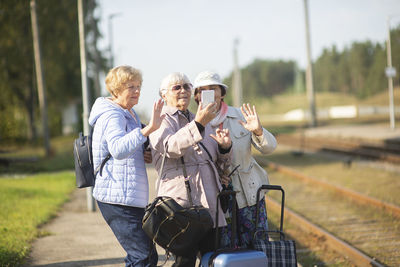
(250, 176)
(179, 137)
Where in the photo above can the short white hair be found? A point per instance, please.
(171, 79)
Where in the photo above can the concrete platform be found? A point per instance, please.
(370, 133)
(81, 238)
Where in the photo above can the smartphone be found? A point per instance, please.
(207, 97)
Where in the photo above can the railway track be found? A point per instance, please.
(384, 151)
(363, 229)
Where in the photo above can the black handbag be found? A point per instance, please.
(173, 227)
(280, 253)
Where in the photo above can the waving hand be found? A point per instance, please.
(252, 123)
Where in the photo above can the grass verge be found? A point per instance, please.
(25, 204)
(30, 158)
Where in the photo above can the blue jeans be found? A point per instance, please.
(126, 223)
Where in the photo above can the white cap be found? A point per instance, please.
(208, 78)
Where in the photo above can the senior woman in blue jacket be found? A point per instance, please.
(121, 189)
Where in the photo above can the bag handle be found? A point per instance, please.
(234, 217)
(271, 187)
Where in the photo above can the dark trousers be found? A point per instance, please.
(206, 244)
(126, 224)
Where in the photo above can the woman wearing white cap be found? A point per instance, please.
(245, 130)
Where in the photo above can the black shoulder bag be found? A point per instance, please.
(85, 175)
(175, 228)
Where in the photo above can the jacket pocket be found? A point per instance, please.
(240, 132)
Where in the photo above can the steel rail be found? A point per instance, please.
(360, 198)
(354, 148)
(354, 255)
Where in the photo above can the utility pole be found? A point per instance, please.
(85, 92)
(390, 73)
(111, 38)
(97, 63)
(40, 77)
(309, 71)
(237, 78)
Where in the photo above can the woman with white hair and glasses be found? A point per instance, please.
(246, 131)
(183, 134)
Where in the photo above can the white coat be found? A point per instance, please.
(249, 176)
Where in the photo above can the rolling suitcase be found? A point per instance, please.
(232, 257)
(280, 253)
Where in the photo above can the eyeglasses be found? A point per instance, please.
(134, 88)
(186, 86)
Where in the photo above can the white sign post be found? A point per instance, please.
(390, 72)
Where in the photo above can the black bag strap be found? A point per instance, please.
(187, 184)
(208, 153)
(100, 167)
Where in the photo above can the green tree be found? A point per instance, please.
(16, 70)
(58, 26)
(357, 70)
(395, 45)
(327, 71)
(264, 78)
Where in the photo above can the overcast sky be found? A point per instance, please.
(163, 36)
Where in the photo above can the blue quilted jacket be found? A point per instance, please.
(124, 179)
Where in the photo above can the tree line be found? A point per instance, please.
(59, 38)
(358, 70)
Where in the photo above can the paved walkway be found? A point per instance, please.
(81, 238)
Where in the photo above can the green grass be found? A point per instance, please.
(25, 204)
(30, 158)
(283, 103)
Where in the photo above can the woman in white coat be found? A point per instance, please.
(245, 130)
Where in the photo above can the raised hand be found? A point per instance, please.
(156, 118)
(222, 137)
(252, 123)
(205, 115)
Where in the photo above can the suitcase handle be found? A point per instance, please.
(270, 187)
(233, 237)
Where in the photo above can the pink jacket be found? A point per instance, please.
(180, 138)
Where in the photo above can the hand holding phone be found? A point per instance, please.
(207, 97)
